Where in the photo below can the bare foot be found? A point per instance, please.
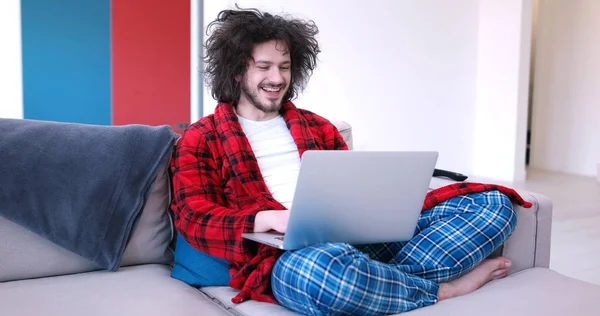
(490, 269)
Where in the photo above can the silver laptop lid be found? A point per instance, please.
(358, 197)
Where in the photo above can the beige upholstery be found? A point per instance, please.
(537, 291)
(224, 294)
(22, 251)
(145, 290)
(529, 245)
(155, 230)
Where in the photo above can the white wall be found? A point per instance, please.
(502, 89)
(416, 75)
(566, 104)
(11, 86)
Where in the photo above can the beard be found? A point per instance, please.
(264, 104)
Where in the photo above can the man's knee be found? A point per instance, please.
(311, 262)
(499, 211)
(300, 277)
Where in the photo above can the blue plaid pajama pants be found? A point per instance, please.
(450, 240)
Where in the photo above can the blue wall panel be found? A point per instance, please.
(66, 60)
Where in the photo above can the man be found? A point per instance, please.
(235, 172)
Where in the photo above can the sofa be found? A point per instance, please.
(38, 277)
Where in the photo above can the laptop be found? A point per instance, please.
(355, 197)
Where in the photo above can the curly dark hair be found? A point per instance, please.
(229, 47)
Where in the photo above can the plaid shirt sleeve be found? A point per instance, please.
(198, 203)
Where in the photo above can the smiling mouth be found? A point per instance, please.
(271, 89)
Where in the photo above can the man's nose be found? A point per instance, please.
(275, 76)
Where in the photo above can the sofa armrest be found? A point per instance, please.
(529, 245)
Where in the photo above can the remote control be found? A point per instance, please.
(449, 174)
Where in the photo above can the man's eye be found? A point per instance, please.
(263, 68)
(285, 68)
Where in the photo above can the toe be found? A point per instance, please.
(500, 273)
(503, 263)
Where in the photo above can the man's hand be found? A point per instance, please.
(271, 220)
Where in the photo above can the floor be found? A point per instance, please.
(576, 221)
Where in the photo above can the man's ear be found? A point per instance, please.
(237, 78)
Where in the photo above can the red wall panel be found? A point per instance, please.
(150, 62)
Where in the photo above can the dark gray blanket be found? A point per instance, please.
(80, 186)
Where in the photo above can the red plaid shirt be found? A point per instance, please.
(218, 189)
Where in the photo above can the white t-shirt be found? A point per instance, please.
(277, 156)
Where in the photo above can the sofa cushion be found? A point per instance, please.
(22, 252)
(141, 290)
(24, 255)
(155, 229)
(537, 291)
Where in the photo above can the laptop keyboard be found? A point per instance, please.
(279, 238)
